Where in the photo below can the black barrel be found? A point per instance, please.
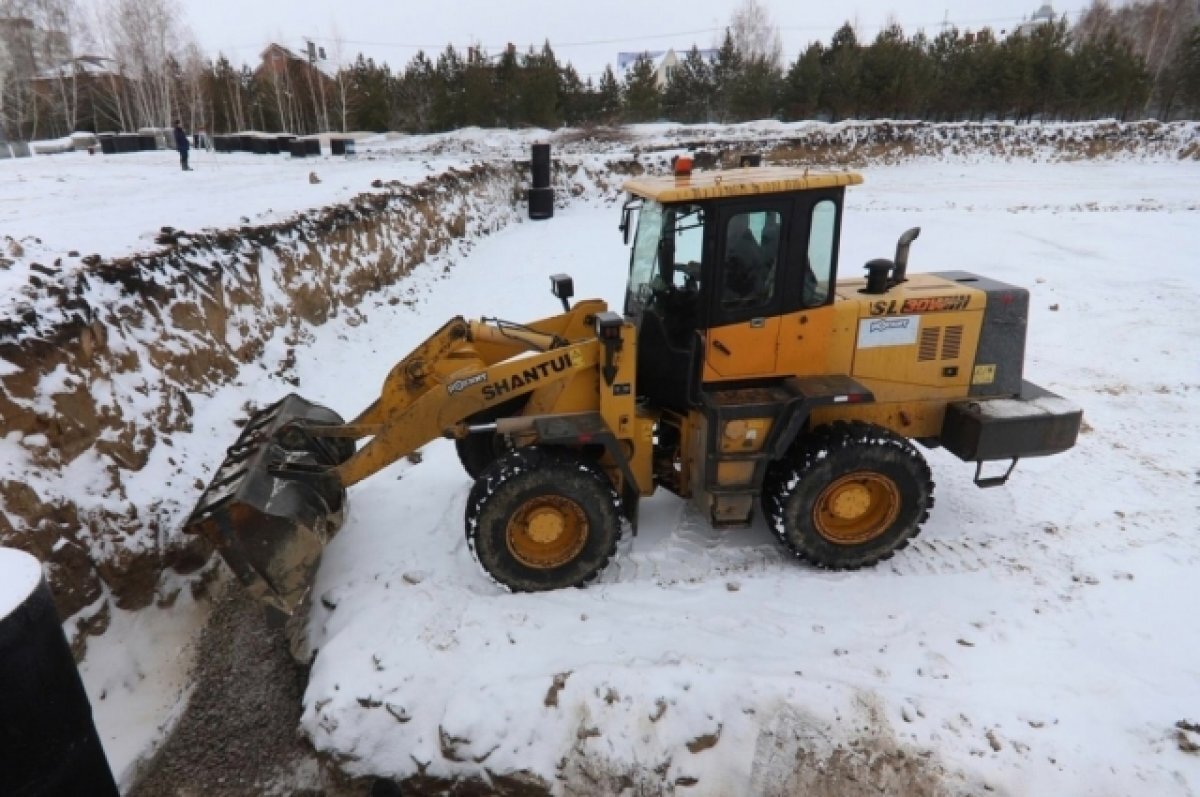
(285, 143)
(541, 166)
(337, 146)
(298, 148)
(147, 142)
(259, 146)
(541, 203)
(48, 741)
(108, 143)
(127, 142)
(313, 146)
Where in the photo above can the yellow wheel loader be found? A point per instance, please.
(741, 374)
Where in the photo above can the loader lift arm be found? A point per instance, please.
(278, 496)
(445, 381)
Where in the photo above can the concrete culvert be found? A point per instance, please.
(48, 741)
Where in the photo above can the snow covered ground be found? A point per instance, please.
(114, 205)
(19, 576)
(1037, 638)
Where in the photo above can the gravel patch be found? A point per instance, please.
(238, 736)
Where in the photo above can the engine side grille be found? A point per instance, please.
(928, 348)
(952, 343)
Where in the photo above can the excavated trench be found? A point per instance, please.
(107, 357)
(106, 361)
(167, 325)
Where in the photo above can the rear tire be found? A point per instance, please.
(540, 519)
(849, 495)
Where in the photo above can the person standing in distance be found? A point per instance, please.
(181, 144)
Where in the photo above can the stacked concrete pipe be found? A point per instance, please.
(48, 741)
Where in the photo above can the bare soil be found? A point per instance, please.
(238, 736)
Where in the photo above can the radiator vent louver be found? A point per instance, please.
(952, 343)
(929, 344)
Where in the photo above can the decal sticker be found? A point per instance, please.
(576, 358)
(925, 304)
(530, 375)
(622, 389)
(984, 375)
(459, 385)
(894, 331)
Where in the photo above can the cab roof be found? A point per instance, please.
(738, 182)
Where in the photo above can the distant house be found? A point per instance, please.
(1043, 16)
(664, 62)
(299, 85)
(278, 60)
(26, 49)
(94, 86)
(70, 92)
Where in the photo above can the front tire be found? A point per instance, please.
(539, 519)
(850, 495)
(477, 451)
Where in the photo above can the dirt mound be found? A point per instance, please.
(859, 144)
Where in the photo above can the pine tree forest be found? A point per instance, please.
(1139, 59)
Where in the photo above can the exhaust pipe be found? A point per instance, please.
(902, 254)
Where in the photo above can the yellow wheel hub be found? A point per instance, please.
(547, 531)
(856, 508)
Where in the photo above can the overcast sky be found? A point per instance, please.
(588, 34)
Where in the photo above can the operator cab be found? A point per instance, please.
(717, 260)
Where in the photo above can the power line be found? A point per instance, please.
(435, 47)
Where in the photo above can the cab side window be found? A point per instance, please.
(750, 259)
(687, 224)
(822, 227)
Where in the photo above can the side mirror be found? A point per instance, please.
(627, 217)
(563, 288)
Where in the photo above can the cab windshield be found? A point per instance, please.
(666, 253)
(642, 268)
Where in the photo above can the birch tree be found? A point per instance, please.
(755, 35)
(144, 36)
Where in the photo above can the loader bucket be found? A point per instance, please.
(275, 501)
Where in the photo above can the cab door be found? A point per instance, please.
(817, 332)
(745, 295)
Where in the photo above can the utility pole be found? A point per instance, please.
(315, 54)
